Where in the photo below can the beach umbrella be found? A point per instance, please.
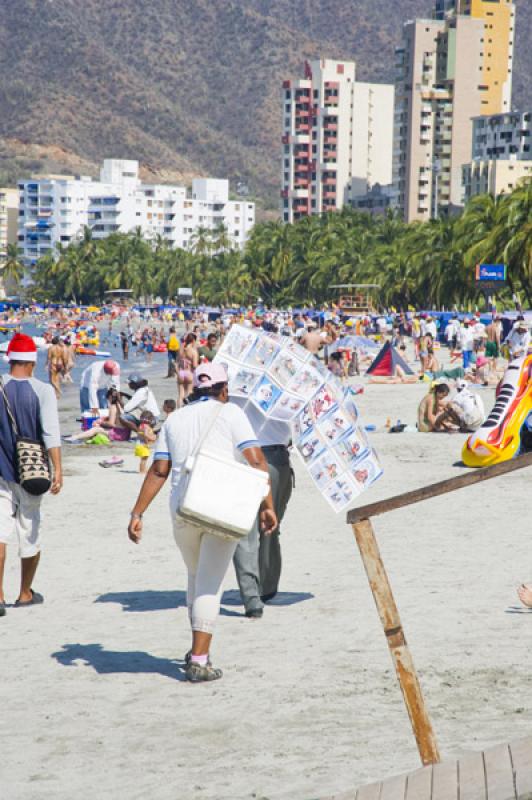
(360, 342)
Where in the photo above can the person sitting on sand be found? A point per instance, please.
(465, 412)
(111, 426)
(432, 411)
(399, 376)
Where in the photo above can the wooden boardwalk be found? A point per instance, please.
(498, 773)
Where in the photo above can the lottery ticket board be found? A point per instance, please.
(285, 382)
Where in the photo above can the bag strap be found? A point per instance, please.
(208, 429)
(8, 408)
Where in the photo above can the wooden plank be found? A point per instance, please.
(445, 781)
(370, 792)
(436, 489)
(471, 777)
(499, 773)
(419, 784)
(394, 788)
(521, 756)
(399, 650)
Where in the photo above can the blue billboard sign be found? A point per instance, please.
(494, 273)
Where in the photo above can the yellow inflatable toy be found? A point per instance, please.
(499, 438)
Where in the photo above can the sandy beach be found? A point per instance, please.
(94, 703)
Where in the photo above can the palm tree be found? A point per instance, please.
(13, 268)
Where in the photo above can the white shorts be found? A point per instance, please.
(20, 519)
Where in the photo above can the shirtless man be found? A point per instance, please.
(56, 364)
(493, 344)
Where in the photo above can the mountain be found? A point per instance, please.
(185, 88)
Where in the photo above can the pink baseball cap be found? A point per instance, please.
(111, 368)
(207, 375)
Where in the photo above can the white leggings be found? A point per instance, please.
(207, 558)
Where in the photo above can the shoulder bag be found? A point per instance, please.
(220, 495)
(31, 457)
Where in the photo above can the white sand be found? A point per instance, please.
(93, 704)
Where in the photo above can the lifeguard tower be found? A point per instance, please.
(355, 298)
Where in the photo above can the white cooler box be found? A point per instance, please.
(222, 495)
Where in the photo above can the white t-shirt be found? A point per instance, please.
(518, 342)
(230, 434)
(94, 378)
(471, 407)
(466, 338)
(143, 400)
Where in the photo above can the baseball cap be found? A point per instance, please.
(111, 368)
(207, 375)
(135, 377)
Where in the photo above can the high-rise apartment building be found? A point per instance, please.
(337, 138)
(449, 70)
(8, 220)
(502, 154)
(8, 227)
(56, 209)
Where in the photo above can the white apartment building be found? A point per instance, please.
(337, 138)
(503, 136)
(494, 176)
(56, 209)
(502, 154)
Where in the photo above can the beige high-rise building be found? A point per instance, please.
(337, 138)
(8, 220)
(448, 71)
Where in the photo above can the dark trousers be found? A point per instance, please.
(257, 558)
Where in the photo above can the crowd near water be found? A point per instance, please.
(110, 354)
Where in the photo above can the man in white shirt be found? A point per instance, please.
(479, 334)
(518, 340)
(466, 343)
(207, 556)
(95, 382)
(431, 328)
(143, 400)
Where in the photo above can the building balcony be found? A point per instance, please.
(301, 183)
(302, 127)
(330, 126)
(329, 195)
(328, 156)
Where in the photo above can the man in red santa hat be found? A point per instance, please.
(34, 407)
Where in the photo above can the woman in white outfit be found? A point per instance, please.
(206, 555)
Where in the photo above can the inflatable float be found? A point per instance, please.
(499, 437)
(89, 351)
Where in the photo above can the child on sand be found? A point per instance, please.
(147, 436)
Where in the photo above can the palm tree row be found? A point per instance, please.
(422, 264)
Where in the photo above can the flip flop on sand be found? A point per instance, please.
(518, 610)
(114, 461)
(36, 600)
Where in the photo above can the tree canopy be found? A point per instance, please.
(422, 264)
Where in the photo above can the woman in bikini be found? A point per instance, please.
(187, 363)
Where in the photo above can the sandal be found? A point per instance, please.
(36, 600)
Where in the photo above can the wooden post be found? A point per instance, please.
(400, 652)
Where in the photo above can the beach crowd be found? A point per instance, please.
(455, 356)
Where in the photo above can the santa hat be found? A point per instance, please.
(22, 348)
